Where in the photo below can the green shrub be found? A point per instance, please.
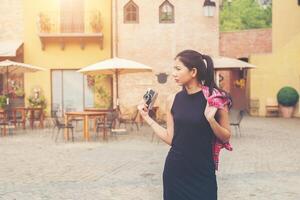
(287, 96)
(2, 101)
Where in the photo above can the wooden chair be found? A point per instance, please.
(70, 108)
(128, 119)
(254, 107)
(272, 109)
(236, 117)
(4, 126)
(7, 121)
(108, 124)
(60, 125)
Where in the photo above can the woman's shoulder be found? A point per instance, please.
(170, 100)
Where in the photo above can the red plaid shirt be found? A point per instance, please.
(218, 100)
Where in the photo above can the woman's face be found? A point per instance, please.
(182, 74)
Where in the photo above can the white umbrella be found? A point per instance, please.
(226, 62)
(10, 67)
(115, 66)
(16, 67)
(110, 66)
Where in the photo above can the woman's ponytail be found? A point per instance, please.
(210, 78)
(210, 74)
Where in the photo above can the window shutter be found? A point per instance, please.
(72, 16)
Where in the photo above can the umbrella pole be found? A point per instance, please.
(117, 87)
(7, 100)
(7, 79)
(117, 84)
(117, 94)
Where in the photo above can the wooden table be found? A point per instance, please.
(32, 117)
(3, 116)
(97, 110)
(91, 109)
(85, 115)
(23, 112)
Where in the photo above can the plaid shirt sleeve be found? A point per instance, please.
(218, 100)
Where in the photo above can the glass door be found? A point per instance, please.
(70, 91)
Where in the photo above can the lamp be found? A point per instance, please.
(209, 8)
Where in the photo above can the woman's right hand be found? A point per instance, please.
(143, 109)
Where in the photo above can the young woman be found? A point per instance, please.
(189, 171)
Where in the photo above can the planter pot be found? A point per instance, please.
(286, 111)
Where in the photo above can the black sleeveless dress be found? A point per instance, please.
(189, 171)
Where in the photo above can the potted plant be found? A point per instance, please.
(44, 23)
(37, 100)
(96, 22)
(287, 98)
(3, 100)
(20, 93)
(90, 81)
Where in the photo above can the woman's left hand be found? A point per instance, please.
(210, 112)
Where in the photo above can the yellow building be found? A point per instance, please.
(281, 67)
(63, 36)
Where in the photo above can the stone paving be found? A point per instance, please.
(265, 164)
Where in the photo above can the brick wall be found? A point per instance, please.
(157, 44)
(244, 43)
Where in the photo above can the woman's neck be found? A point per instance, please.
(193, 88)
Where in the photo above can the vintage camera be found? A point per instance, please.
(150, 97)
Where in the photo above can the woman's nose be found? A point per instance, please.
(174, 74)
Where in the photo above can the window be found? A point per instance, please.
(166, 12)
(72, 16)
(131, 13)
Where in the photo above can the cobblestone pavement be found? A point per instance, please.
(265, 164)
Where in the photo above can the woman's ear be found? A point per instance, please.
(194, 72)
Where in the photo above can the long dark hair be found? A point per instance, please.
(205, 71)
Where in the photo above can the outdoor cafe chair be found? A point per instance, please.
(76, 119)
(60, 125)
(128, 119)
(108, 124)
(236, 117)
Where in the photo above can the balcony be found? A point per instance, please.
(68, 27)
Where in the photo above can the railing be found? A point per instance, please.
(68, 22)
(82, 27)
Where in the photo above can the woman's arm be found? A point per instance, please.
(220, 123)
(165, 134)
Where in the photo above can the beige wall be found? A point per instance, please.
(282, 67)
(286, 15)
(157, 44)
(11, 20)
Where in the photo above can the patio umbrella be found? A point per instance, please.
(115, 66)
(226, 62)
(10, 67)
